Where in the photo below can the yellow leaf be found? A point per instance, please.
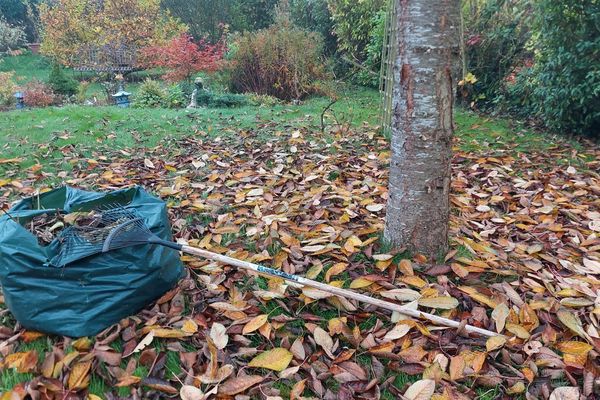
(82, 344)
(572, 322)
(406, 268)
(359, 283)
(170, 333)
(495, 343)
(334, 270)
(576, 348)
(337, 325)
(414, 281)
(190, 326)
(475, 295)
(518, 331)
(442, 302)
(314, 271)
(352, 242)
(277, 359)
(517, 388)
(79, 377)
(23, 362)
(254, 324)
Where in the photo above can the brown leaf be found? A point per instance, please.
(233, 386)
(160, 385)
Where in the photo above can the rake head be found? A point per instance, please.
(104, 231)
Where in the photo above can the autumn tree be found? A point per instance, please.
(74, 30)
(422, 125)
(183, 57)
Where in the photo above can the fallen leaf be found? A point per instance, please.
(420, 390)
(144, 342)
(499, 316)
(495, 343)
(79, 377)
(255, 323)
(188, 392)
(565, 393)
(239, 384)
(397, 332)
(218, 333)
(323, 339)
(442, 302)
(276, 359)
(572, 322)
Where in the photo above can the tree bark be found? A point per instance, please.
(422, 125)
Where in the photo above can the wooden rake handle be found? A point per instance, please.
(349, 294)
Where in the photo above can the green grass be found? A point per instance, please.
(35, 131)
(98, 386)
(478, 133)
(9, 378)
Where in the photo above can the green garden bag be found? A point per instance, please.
(88, 295)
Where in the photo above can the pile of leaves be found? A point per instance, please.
(48, 226)
(525, 262)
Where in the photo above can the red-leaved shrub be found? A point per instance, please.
(182, 57)
(282, 61)
(38, 94)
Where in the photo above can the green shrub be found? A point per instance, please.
(567, 66)
(496, 37)
(227, 100)
(175, 97)
(283, 61)
(11, 37)
(314, 15)
(354, 22)
(369, 76)
(150, 94)
(60, 82)
(220, 100)
(82, 89)
(262, 100)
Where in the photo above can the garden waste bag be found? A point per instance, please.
(88, 295)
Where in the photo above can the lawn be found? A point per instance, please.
(523, 203)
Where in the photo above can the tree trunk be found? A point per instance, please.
(422, 127)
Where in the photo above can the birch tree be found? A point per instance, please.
(422, 125)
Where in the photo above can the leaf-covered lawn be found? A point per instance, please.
(525, 262)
